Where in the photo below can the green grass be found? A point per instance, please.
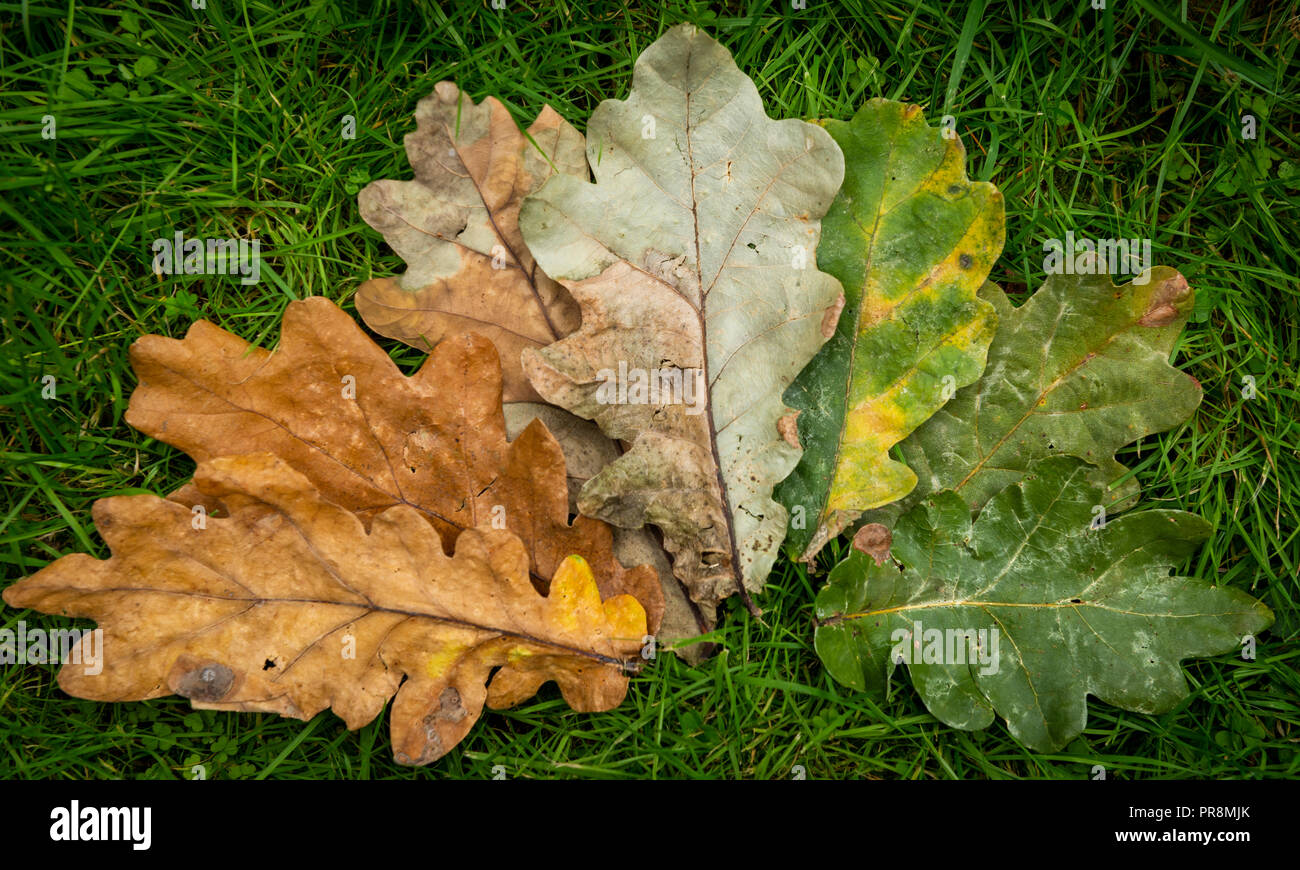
(225, 122)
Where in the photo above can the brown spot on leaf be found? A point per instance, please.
(874, 539)
(1162, 315)
(208, 682)
(450, 706)
(832, 317)
(1162, 310)
(788, 426)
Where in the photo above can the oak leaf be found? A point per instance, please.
(290, 605)
(457, 227)
(1029, 608)
(911, 239)
(332, 404)
(693, 254)
(1080, 369)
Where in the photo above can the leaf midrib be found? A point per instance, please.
(369, 608)
(953, 604)
(701, 316)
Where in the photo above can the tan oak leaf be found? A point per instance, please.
(693, 259)
(289, 604)
(457, 227)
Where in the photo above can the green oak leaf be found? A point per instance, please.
(692, 253)
(1081, 369)
(1077, 610)
(911, 239)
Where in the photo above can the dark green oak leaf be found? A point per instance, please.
(1035, 608)
(1080, 369)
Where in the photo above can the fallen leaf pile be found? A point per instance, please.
(820, 293)
(456, 224)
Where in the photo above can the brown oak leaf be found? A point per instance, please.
(457, 227)
(290, 605)
(332, 404)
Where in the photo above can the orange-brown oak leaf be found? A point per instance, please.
(457, 227)
(289, 604)
(332, 404)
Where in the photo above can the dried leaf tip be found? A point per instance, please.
(1163, 307)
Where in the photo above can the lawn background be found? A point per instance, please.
(225, 122)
